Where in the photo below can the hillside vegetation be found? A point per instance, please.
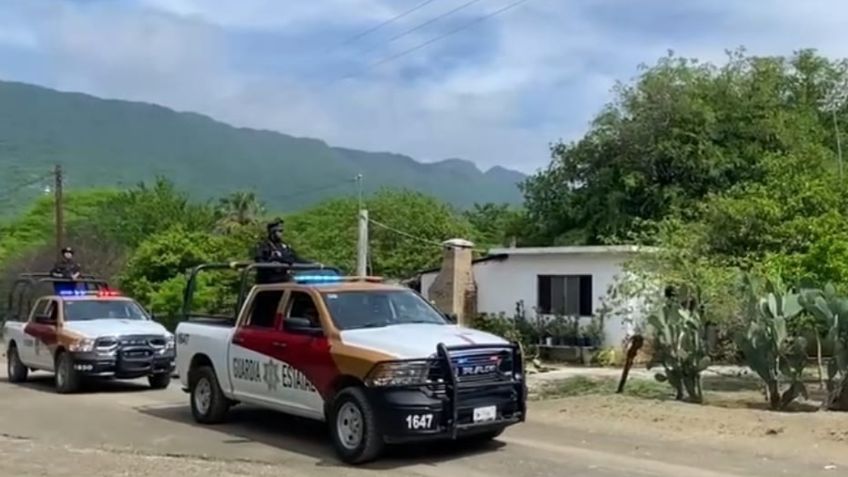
(114, 143)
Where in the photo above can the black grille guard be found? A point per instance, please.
(454, 386)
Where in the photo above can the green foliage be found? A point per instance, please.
(496, 224)
(678, 346)
(681, 133)
(516, 328)
(328, 233)
(157, 270)
(777, 357)
(832, 309)
(36, 227)
(209, 159)
(237, 210)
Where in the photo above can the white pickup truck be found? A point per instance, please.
(377, 362)
(87, 334)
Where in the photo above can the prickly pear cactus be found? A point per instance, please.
(833, 310)
(680, 349)
(775, 356)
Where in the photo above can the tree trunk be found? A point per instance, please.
(822, 383)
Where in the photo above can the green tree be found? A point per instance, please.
(495, 224)
(404, 236)
(238, 209)
(682, 132)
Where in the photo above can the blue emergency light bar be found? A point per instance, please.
(99, 293)
(317, 278)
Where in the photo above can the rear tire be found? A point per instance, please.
(67, 379)
(355, 431)
(208, 403)
(159, 381)
(15, 369)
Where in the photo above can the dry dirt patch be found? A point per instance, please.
(734, 416)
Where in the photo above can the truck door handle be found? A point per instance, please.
(278, 344)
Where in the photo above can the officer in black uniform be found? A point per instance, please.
(273, 249)
(66, 267)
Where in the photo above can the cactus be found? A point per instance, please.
(775, 356)
(833, 310)
(680, 349)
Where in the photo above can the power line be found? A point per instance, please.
(434, 40)
(427, 23)
(414, 237)
(381, 25)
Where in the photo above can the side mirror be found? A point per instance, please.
(302, 326)
(44, 320)
(450, 317)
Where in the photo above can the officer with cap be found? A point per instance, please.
(273, 249)
(66, 267)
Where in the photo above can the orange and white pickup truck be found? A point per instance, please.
(377, 362)
(80, 334)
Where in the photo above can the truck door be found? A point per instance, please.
(41, 334)
(307, 368)
(253, 345)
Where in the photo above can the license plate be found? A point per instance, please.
(483, 414)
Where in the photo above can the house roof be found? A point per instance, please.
(504, 253)
(487, 258)
(572, 250)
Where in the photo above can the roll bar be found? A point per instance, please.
(243, 268)
(29, 281)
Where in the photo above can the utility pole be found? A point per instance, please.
(362, 242)
(58, 206)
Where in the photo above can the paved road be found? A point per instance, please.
(126, 429)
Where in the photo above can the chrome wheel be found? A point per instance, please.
(349, 425)
(203, 395)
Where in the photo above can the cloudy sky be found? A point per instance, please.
(497, 92)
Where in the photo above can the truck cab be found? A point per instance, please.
(83, 329)
(377, 362)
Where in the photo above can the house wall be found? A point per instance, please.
(501, 284)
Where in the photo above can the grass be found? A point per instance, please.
(586, 386)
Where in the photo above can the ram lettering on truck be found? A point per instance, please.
(377, 362)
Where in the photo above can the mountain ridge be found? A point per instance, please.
(138, 140)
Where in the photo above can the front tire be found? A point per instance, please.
(354, 428)
(208, 403)
(67, 378)
(15, 369)
(159, 381)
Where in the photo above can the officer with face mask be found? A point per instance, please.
(66, 267)
(273, 249)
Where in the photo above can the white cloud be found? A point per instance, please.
(544, 70)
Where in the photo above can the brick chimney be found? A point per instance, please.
(454, 291)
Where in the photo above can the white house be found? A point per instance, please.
(573, 280)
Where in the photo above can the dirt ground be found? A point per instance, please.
(732, 419)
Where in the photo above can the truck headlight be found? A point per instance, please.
(399, 373)
(82, 346)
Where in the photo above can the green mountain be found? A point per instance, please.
(104, 142)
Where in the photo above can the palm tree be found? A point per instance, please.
(238, 209)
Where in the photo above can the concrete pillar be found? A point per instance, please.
(454, 291)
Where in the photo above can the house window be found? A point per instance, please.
(568, 295)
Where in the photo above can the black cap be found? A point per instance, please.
(275, 223)
(67, 250)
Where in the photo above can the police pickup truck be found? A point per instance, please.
(376, 362)
(84, 330)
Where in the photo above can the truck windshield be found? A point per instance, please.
(85, 310)
(371, 309)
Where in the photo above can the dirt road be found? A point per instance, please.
(127, 429)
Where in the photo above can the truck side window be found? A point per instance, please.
(301, 305)
(263, 313)
(42, 307)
